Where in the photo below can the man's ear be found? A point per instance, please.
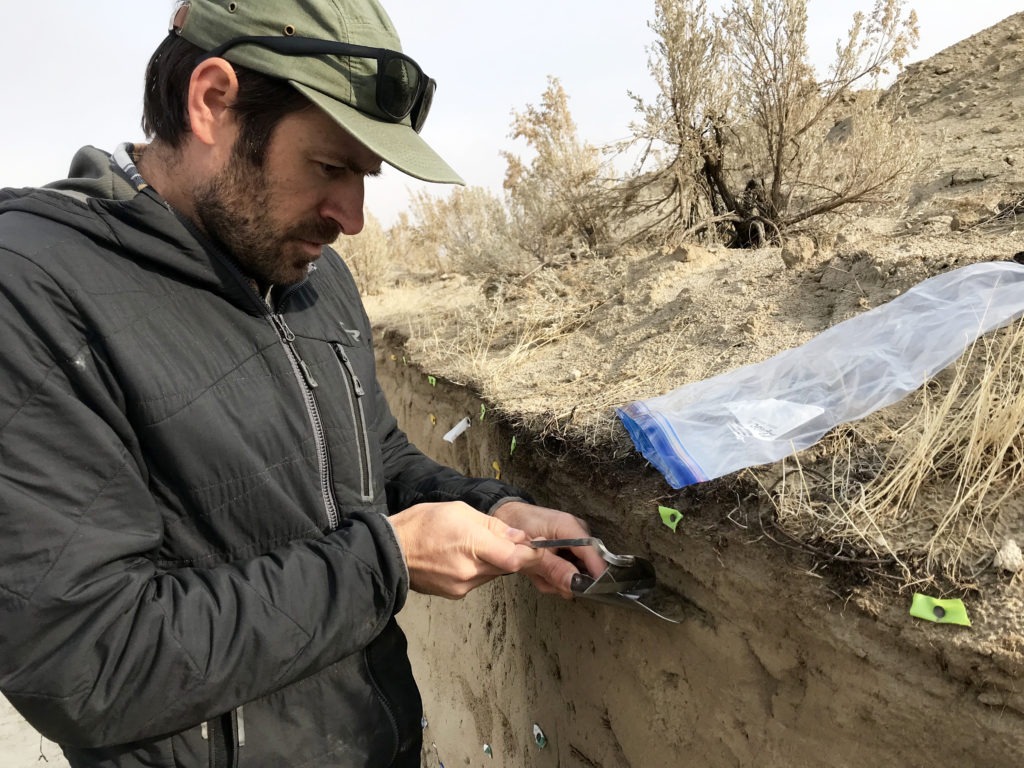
(212, 89)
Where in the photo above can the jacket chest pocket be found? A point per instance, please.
(355, 400)
(346, 392)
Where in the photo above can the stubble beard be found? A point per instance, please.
(235, 208)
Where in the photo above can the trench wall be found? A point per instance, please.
(771, 668)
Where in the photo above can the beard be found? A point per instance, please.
(235, 207)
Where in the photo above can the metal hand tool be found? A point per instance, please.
(629, 580)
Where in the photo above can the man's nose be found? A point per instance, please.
(344, 205)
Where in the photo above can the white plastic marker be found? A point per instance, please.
(458, 429)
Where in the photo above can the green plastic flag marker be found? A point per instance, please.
(939, 611)
(432, 380)
(670, 517)
(512, 449)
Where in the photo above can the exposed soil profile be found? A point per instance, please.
(773, 666)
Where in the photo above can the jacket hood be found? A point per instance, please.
(92, 175)
(98, 201)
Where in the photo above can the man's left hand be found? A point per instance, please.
(553, 575)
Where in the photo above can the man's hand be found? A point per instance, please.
(553, 574)
(451, 548)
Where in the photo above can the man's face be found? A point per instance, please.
(275, 218)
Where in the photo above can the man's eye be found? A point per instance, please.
(332, 170)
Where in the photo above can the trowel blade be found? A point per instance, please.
(633, 586)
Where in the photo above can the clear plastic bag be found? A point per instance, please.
(763, 412)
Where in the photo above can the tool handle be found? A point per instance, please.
(609, 557)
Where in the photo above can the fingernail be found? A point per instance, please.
(515, 533)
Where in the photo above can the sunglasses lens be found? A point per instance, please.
(422, 109)
(398, 83)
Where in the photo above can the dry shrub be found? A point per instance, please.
(555, 197)
(467, 232)
(942, 498)
(408, 256)
(367, 256)
(744, 141)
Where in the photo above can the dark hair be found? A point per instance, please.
(261, 104)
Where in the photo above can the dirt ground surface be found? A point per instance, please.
(782, 660)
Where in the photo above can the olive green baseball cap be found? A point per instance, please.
(343, 86)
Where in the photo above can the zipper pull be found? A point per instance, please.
(282, 327)
(357, 385)
(310, 381)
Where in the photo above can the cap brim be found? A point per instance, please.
(397, 144)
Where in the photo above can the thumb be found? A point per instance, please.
(507, 548)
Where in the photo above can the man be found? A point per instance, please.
(210, 517)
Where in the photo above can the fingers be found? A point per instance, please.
(506, 549)
(545, 588)
(517, 536)
(593, 563)
(451, 549)
(553, 575)
(542, 522)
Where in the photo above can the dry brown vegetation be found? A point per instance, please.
(743, 138)
(557, 319)
(932, 487)
(742, 145)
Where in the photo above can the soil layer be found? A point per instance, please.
(775, 665)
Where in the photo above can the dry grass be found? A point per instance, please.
(485, 347)
(511, 349)
(942, 498)
(368, 256)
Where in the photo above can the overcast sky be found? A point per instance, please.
(72, 72)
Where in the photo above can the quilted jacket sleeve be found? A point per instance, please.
(98, 645)
(413, 478)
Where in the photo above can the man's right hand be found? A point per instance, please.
(451, 548)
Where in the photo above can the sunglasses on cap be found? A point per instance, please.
(402, 88)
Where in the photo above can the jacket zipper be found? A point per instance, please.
(356, 392)
(302, 373)
(308, 384)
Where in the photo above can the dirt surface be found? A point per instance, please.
(560, 346)
(784, 659)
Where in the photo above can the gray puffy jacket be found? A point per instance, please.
(193, 490)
